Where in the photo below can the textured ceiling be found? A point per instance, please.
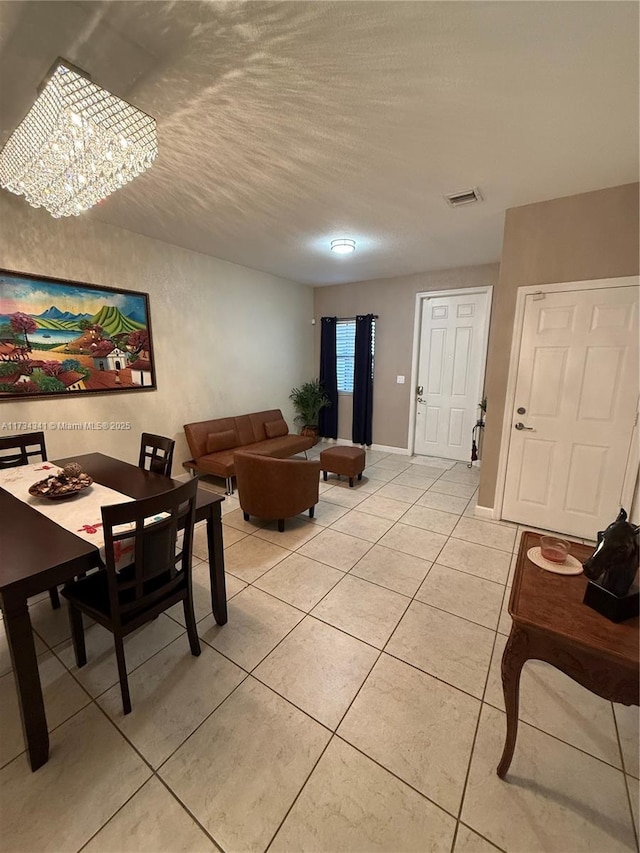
(282, 125)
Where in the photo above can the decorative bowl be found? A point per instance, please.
(554, 549)
(57, 487)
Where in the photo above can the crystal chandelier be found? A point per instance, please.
(77, 144)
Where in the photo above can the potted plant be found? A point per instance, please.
(307, 400)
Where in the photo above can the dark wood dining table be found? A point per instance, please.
(37, 554)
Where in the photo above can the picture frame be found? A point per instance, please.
(70, 338)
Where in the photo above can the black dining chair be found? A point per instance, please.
(23, 449)
(157, 576)
(157, 451)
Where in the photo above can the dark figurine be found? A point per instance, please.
(614, 563)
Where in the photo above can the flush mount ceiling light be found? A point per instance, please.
(77, 144)
(343, 246)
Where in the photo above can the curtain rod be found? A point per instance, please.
(375, 317)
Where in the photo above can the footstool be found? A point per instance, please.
(349, 461)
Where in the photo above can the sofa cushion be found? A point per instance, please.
(275, 429)
(244, 429)
(259, 419)
(221, 440)
(219, 464)
(282, 447)
(197, 433)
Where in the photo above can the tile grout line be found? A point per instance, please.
(308, 613)
(142, 758)
(477, 728)
(496, 633)
(334, 732)
(382, 651)
(625, 775)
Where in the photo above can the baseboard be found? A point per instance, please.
(182, 477)
(487, 512)
(383, 448)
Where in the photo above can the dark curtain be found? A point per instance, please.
(363, 381)
(328, 419)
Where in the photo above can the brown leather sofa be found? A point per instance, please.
(213, 443)
(276, 488)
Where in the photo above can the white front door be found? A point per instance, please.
(451, 363)
(574, 409)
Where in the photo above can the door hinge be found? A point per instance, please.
(538, 295)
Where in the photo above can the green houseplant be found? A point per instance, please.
(307, 400)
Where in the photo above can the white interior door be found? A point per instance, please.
(574, 409)
(451, 363)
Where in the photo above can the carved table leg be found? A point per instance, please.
(515, 655)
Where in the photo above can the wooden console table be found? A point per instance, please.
(551, 624)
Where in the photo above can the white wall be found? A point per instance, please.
(227, 339)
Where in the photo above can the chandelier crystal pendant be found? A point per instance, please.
(77, 144)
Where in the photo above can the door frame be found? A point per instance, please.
(425, 295)
(514, 363)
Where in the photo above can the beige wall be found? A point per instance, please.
(393, 300)
(589, 236)
(227, 339)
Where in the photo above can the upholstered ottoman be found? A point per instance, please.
(349, 461)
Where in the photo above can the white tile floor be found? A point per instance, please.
(352, 702)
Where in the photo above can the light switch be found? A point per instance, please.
(400, 380)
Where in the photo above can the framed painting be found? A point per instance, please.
(62, 337)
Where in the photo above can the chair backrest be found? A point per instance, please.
(158, 452)
(275, 488)
(146, 531)
(25, 446)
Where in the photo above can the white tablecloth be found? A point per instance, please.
(81, 515)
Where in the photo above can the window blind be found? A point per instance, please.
(345, 352)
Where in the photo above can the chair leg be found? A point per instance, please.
(77, 635)
(360, 475)
(350, 482)
(245, 516)
(54, 597)
(281, 525)
(229, 485)
(122, 673)
(312, 511)
(192, 631)
(324, 476)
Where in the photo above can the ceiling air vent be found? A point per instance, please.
(464, 197)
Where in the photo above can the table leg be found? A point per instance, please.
(514, 657)
(216, 564)
(25, 670)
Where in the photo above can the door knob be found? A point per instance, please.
(420, 400)
(520, 425)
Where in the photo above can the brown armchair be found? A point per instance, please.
(276, 488)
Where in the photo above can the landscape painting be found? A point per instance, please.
(63, 337)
